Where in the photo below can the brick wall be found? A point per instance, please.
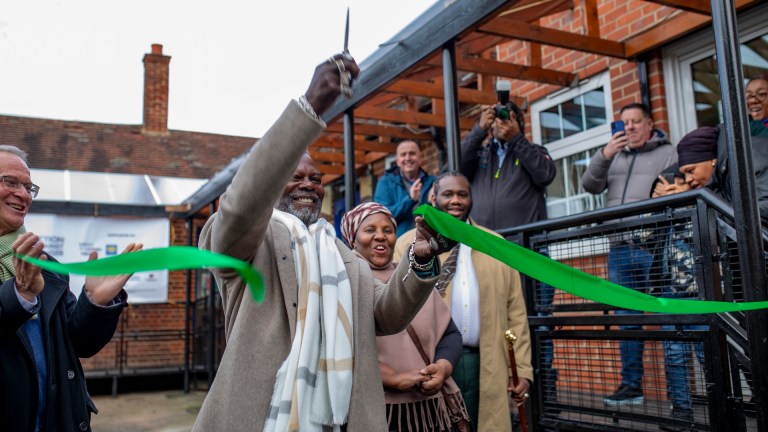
(569, 358)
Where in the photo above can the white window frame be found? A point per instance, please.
(581, 141)
(592, 138)
(390, 161)
(677, 60)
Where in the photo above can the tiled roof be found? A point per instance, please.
(114, 148)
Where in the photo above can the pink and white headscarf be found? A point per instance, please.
(352, 219)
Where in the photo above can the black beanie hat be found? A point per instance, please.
(698, 146)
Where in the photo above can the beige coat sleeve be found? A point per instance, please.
(394, 303)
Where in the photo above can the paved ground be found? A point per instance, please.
(164, 411)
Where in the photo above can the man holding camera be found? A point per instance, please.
(508, 174)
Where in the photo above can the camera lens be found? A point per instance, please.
(502, 112)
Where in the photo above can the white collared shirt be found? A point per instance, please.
(465, 298)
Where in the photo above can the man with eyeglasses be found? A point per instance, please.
(44, 329)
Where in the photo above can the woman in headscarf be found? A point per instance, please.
(417, 394)
(697, 156)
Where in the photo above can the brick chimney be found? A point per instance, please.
(156, 68)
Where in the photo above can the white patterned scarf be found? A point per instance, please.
(313, 388)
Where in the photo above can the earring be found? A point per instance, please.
(714, 161)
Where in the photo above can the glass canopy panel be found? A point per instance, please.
(112, 188)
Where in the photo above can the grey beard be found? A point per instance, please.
(306, 215)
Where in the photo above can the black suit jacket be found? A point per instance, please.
(71, 328)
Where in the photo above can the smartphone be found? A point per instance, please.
(617, 126)
(669, 177)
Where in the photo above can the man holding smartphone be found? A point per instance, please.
(626, 168)
(632, 160)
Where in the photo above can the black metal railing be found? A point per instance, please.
(679, 246)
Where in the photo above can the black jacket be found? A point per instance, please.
(514, 194)
(71, 328)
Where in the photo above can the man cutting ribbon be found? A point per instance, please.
(305, 358)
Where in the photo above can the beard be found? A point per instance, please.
(308, 215)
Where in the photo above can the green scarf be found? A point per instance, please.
(7, 270)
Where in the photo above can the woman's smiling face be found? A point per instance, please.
(757, 99)
(375, 239)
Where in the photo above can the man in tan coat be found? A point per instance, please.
(486, 299)
(260, 336)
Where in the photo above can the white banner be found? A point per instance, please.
(71, 238)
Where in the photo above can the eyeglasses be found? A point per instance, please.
(13, 184)
(759, 96)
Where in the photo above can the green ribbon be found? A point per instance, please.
(170, 258)
(567, 278)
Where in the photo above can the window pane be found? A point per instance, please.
(573, 121)
(550, 125)
(581, 203)
(577, 166)
(754, 57)
(706, 85)
(706, 91)
(556, 208)
(594, 108)
(566, 195)
(556, 189)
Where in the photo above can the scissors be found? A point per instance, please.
(346, 77)
(345, 51)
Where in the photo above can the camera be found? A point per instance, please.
(502, 112)
(503, 87)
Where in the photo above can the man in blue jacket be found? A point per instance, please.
(404, 187)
